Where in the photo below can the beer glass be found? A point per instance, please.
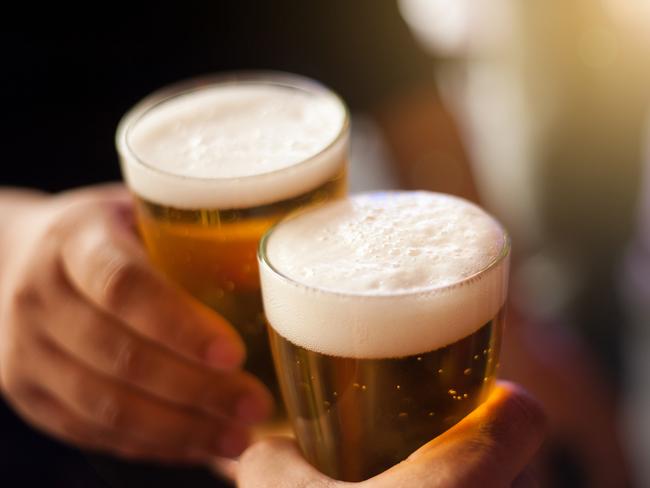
(212, 164)
(385, 314)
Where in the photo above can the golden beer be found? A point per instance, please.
(357, 417)
(369, 370)
(200, 218)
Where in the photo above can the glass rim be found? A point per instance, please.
(196, 84)
(264, 260)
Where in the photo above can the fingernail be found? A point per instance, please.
(232, 444)
(251, 409)
(223, 355)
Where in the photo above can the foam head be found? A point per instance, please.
(233, 144)
(384, 274)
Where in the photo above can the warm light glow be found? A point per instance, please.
(598, 47)
(442, 25)
(458, 27)
(634, 14)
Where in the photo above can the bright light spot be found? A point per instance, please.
(440, 24)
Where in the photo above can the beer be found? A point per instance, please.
(213, 166)
(385, 314)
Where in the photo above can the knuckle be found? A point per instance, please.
(120, 276)
(15, 386)
(519, 414)
(115, 351)
(26, 298)
(111, 413)
(527, 412)
(126, 360)
(481, 445)
(16, 377)
(102, 408)
(123, 358)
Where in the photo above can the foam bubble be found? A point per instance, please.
(233, 145)
(384, 274)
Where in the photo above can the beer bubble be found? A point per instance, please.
(391, 259)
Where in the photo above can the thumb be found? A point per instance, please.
(278, 463)
(489, 448)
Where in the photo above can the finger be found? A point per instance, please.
(46, 413)
(102, 343)
(115, 407)
(108, 266)
(495, 443)
(108, 195)
(115, 192)
(277, 462)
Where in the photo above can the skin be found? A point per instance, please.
(99, 349)
(496, 443)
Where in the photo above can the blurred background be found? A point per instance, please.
(540, 111)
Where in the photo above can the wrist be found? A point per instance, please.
(14, 204)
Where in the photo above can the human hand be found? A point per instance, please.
(491, 447)
(99, 349)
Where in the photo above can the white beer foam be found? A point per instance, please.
(384, 274)
(233, 145)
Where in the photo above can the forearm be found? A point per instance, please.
(425, 143)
